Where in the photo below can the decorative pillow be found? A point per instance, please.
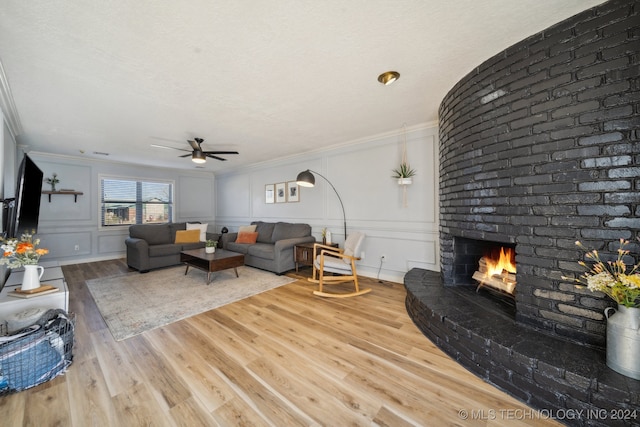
(265, 231)
(247, 237)
(187, 236)
(202, 228)
(247, 228)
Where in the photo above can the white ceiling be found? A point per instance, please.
(269, 79)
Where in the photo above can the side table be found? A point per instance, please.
(52, 276)
(303, 253)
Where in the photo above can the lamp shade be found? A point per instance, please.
(198, 157)
(306, 179)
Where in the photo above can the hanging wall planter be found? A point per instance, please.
(404, 173)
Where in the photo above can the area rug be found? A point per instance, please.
(134, 303)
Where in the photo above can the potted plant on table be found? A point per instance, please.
(404, 174)
(210, 246)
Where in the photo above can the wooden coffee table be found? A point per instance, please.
(219, 260)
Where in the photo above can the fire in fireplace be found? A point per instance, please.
(497, 270)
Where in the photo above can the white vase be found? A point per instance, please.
(405, 181)
(623, 340)
(31, 278)
(210, 249)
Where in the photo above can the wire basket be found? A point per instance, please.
(38, 353)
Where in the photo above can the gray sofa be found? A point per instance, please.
(152, 246)
(273, 249)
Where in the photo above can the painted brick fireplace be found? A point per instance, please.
(539, 148)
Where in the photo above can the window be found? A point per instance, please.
(129, 201)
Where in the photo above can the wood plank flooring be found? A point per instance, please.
(281, 358)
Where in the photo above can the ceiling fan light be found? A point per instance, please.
(198, 157)
(388, 77)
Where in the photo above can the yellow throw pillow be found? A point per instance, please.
(187, 236)
(201, 227)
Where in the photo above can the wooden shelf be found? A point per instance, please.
(74, 193)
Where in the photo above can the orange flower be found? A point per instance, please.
(23, 247)
(17, 253)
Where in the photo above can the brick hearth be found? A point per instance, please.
(547, 373)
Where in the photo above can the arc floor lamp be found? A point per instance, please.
(306, 179)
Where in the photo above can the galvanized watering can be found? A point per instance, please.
(623, 340)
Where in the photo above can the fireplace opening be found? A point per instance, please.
(497, 270)
(472, 258)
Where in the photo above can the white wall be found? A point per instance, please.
(361, 173)
(7, 167)
(64, 224)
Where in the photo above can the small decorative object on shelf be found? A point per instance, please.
(324, 236)
(622, 285)
(210, 246)
(52, 181)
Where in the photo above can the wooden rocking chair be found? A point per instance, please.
(340, 262)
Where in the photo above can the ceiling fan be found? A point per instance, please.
(198, 155)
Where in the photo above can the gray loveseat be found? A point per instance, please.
(273, 249)
(152, 246)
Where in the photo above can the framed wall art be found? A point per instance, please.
(293, 192)
(269, 193)
(281, 192)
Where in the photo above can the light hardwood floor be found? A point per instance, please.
(281, 358)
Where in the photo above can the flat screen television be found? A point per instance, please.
(22, 213)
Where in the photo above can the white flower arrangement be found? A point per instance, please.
(618, 281)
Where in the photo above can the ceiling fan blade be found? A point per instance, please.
(220, 152)
(215, 157)
(168, 148)
(186, 155)
(194, 144)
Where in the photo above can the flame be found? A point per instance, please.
(504, 262)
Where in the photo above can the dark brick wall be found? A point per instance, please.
(540, 147)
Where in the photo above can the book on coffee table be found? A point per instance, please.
(42, 290)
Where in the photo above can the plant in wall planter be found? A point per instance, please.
(404, 174)
(210, 246)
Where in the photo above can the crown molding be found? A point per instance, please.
(7, 105)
